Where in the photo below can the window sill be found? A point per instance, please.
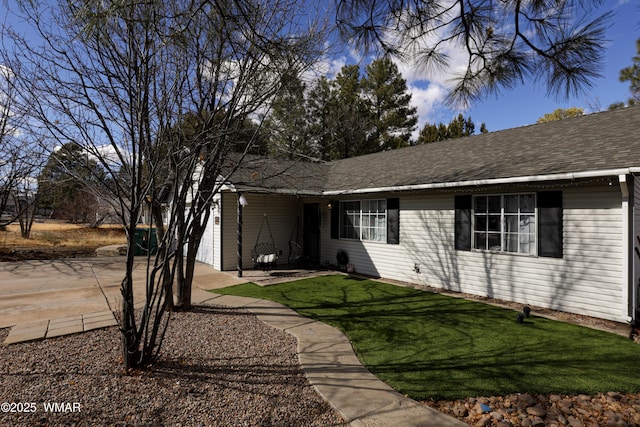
(494, 252)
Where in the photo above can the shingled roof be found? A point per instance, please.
(599, 144)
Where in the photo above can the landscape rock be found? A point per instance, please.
(536, 410)
(219, 367)
(604, 409)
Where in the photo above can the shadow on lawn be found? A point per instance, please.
(429, 345)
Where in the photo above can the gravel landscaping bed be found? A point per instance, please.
(224, 367)
(604, 409)
(219, 367)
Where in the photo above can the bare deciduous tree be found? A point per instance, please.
(20, 158)
(157, 92)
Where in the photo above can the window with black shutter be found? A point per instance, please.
(376, 220)
(393, 221)
(550, 224)
(527, 223)
(463, 223)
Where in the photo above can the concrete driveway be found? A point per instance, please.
(45, 298)
(31, 291)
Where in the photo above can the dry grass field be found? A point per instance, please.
(57, 239)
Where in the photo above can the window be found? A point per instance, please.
(536, 231)
(505, 223)
(364, 220)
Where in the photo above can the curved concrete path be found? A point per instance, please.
(331, 366)
(42, 299)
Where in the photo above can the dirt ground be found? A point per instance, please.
(51, 239)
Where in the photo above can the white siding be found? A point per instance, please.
(282, 212)
(636, 242)
(209, 250)
(205, 250)
(587, 280)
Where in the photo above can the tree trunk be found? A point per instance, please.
(163, 255)
(130, 351)
(199, 226)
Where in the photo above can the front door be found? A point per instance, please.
(311, 232)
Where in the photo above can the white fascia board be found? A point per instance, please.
(283, 191)
(444, 185)
(482, 182)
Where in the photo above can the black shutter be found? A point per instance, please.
(463, 223)
(335, 219)
(550, 224)
(393, 221)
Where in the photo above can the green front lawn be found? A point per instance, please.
(431, 346)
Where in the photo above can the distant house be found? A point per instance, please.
(543, 214)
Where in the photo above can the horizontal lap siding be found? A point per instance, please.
(209, 249)
(586, 280)
(371, 258)
(206, 252)
(282, 212)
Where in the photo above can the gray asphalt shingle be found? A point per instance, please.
(594, 142)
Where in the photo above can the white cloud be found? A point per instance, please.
(427, 98)
(328, 66)
(429, 89)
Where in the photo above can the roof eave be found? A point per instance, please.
(483, 182)
(570, 176)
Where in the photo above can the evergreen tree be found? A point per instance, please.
(287, 123)
(560, 42)
(631, 74)
(70, 184)
(394, 119)
(457, 128)
(319, 118)
(351, 116)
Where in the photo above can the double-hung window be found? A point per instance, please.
(529, 223)
(505, 223)
(364, 220)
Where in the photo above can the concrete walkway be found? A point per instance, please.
(50, 328)
(85, 293)
(331, 366)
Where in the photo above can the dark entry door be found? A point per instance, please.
(311, 232)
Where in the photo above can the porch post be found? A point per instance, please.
(629, 290)
(239, 235)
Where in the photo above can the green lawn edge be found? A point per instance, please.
(432, 346)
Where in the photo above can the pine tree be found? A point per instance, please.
(351, 117)
(457, 128)
(287, 123)
(394, 118)
(318, 108)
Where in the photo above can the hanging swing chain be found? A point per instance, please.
(295, 229)
(265, 219)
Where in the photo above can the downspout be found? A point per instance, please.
(628, 293)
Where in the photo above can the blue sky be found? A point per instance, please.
(525, 104)
(528, 102)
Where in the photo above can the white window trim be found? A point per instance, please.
(382, 239)
(502, 232)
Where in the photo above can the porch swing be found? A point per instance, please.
(264, 254)
(295, 249)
